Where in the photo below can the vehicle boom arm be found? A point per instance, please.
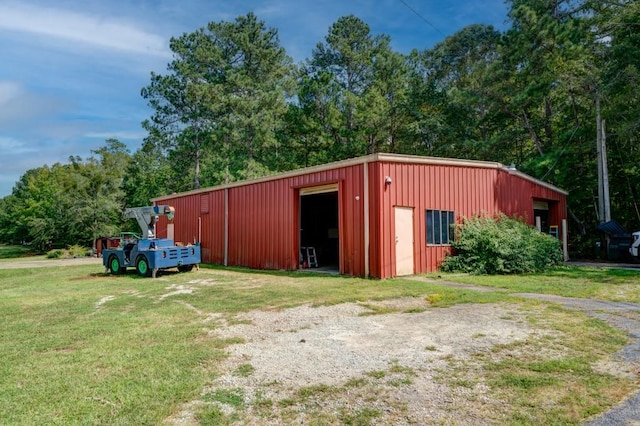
(146, 217)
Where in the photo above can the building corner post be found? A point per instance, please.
(565, 233)
(365, 202)
(226, 227)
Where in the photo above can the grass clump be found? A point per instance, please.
(232, 397)
(244, 370)
(74, 251)
(364, 416)
(501, 245)
(78, 251)
(569, 281)
(55, 254)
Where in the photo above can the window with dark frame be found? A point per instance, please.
(440, 226)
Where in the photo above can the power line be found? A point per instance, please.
(421, 17)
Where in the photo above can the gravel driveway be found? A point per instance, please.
(312, 349)
(623, 316)
(318, 347)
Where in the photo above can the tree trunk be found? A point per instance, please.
(580, 224)
(532, 132)
(196, 168)
(548, 115)
(227, 148)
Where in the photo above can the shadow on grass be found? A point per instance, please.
(131, 273)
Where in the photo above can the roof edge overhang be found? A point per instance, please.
(379, 157)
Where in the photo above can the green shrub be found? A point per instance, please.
(78, 251)
(501, 245)
(55, 254)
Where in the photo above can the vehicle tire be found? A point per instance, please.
(185, 268)
(114, 265)
(142, 266)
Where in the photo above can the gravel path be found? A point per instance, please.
(623, 316)
(308, 361)
(331, 346)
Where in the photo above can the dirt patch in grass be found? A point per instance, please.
(95, 276)
(358, 363)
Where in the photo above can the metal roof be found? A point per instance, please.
(612, 228)
(383, 157)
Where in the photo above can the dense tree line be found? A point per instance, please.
(67, 204)
(232, 105)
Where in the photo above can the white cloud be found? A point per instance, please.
(18, 106)
(13, 146)
(99, 31)
(9, 90)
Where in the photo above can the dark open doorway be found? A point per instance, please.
(544, 219)
(319, 229)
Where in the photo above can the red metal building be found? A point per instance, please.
(381, 215)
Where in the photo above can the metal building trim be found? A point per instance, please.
(319, 189)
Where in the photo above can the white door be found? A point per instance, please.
(170, 231)
(404, 240)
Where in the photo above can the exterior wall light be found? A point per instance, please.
(387, 180)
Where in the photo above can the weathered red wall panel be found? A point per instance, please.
(260, 235)
(515, 195)
(263, 220)
(199, 217)
(185, 220)
(375, 218)
(213, 229)
(466, 190)
(423, 186)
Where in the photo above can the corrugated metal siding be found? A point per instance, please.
(260, 232)
(515, 196)
(185, 220)
(213, 229)
(467, 191)
(464, 190)
(376, 218)
(264, 223)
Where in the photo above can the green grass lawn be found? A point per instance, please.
(13, 252)
(77, 346)
(571, 281)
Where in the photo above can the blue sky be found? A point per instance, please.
(71, 71)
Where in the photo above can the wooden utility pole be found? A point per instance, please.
(605, 173)
(599, 158)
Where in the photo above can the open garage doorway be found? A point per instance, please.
(541, 215)
(319, 229)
